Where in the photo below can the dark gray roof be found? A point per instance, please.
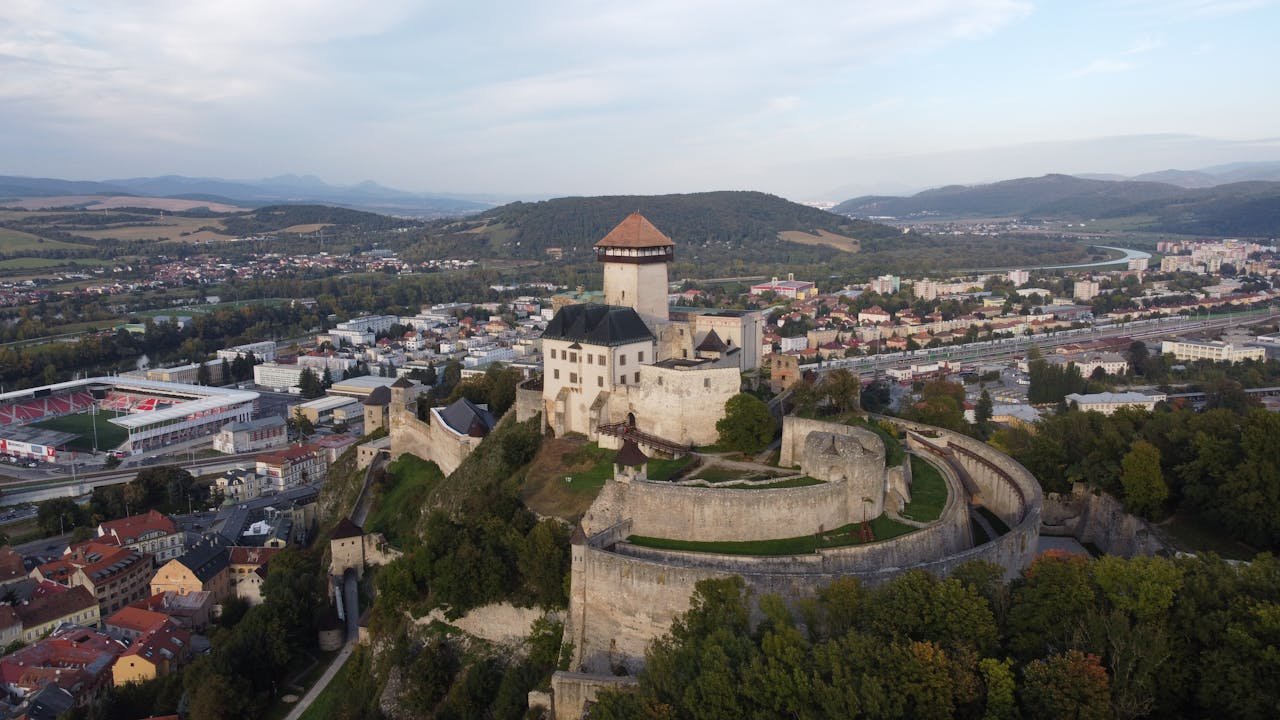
(711, 343)
(403, 382)
(630, 455)
(378, 397)
(207, 557)
(467, 418)
(50, 703)
(597, 325)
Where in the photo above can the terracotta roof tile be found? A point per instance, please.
(635, 232)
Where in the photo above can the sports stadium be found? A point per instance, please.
(120, 414)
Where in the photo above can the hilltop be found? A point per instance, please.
(743, 221)
(1240, 208)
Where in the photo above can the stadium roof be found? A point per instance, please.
(204, 397)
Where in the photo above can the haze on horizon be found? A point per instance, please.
(820, 100)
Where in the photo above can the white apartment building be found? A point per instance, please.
(262, 351)
(276, 376)
(1019, 277)
(1086, 289)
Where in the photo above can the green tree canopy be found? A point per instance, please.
(747, 425)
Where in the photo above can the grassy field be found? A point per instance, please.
(412, 478)
(660, 469)
(29, 263)
(82, 424)
(882, 528)
(206, 309)
(171, 227)
(928, 492)
(823, 237)
(16, 241)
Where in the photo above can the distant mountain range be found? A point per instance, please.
(1238, 208)
(249, 193)
(1204, 177)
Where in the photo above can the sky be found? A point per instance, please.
(809, 100)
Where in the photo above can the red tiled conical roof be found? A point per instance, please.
(635, 232)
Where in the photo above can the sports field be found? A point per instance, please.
(109, 436)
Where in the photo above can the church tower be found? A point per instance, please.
(635, 256)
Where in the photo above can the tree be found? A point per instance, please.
(302, 423)
(747, 425)
(59, 515)
(982, 412)
(1144, 487)
(1138, 356)
(310, 385)
(1069, 686)
(840, 389)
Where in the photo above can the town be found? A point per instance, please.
(248, 434)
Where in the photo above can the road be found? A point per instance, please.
(34, 490)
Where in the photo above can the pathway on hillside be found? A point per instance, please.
(352, 597)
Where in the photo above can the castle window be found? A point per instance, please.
(557, 373)
(573, 377)
(641, 359)
(637, 376)
(573, 357)
(599, 381)
(591, 359)
(622, 359)
(622, 379)
(553, 353)
(659, 379)
(706, 382)
(602, 360)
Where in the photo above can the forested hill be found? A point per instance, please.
(275, 218)
(1022, 196)
(1240, 209)
(746, 222)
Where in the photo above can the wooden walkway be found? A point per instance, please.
(629, 432)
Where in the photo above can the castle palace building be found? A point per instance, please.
(633, 363)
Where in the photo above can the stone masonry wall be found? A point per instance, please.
(1099, 519)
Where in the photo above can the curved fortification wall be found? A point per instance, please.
(623, 596)
(680, 512)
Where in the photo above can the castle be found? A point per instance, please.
(632, 363)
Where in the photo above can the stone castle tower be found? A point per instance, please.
(635, 256)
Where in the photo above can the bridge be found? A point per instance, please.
(639, 437)
(1199, 398)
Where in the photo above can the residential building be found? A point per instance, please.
(292, 466)
(50, 605)
(248, 567)
(157, 653)
(1086, 290)
(261, 351)
(239, 484)
(1216, 351)
(191, 611)
(1019, 277)
(277, 376)
(359, 387)
(130, 623)
(152, 532)
(115, 576)
(11, 568)
(885, 285)
(202, 568)
(75, 659)
(252, 435)
(875, 315)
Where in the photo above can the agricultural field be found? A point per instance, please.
(822, 237)
(15, 241)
